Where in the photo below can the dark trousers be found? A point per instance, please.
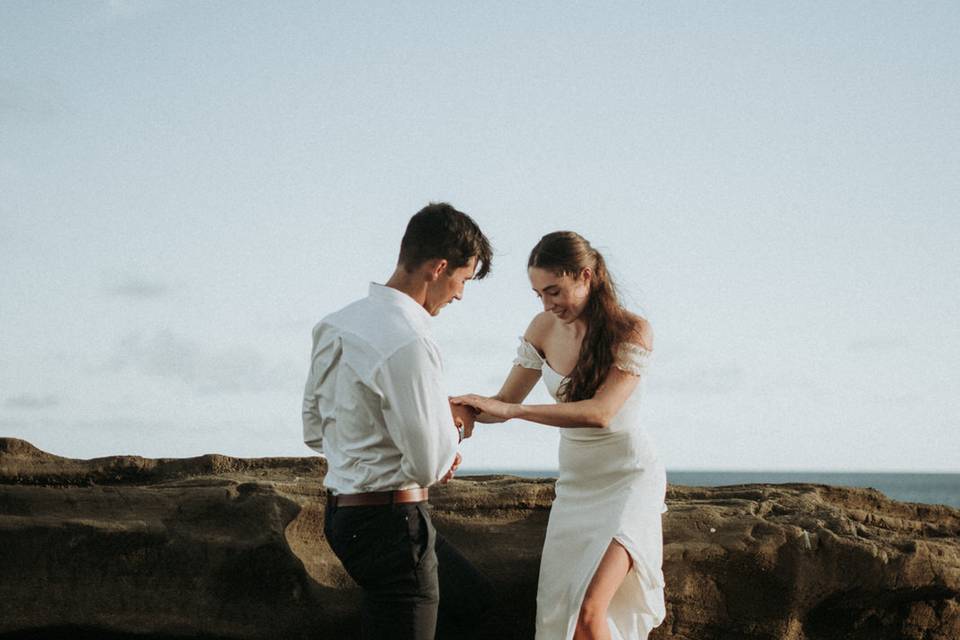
(415, 584)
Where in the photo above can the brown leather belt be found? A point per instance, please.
(375, 498)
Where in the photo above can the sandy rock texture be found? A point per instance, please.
(220, 547)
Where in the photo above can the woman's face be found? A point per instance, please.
(564, 296)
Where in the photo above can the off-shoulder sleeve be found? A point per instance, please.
(527, 356)
(632, 358)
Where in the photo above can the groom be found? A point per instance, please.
(375, 406)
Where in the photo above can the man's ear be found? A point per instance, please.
(436, 268)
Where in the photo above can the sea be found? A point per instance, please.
(927, 488)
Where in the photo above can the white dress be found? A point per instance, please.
(611, 487)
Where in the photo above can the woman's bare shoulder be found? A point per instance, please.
(539, 329)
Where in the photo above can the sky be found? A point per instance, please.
(187, 188)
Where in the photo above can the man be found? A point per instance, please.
(375, 406)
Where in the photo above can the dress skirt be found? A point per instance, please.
(611, 487)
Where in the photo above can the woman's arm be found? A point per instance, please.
(520, 381)
(597, 411)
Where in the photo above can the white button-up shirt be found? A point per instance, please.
(374, 402)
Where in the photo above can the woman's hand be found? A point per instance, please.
(489, 406)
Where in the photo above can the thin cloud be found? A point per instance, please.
(706, 380)
(236, 369)
(33, 102)
(135, 287)
(31, 401)
(875, 343)
(126, 9)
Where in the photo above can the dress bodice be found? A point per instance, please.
(551, 380)
(630, 357)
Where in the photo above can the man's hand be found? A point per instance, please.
(464, 416)
(449, 474)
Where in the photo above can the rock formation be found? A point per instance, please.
(219, 547)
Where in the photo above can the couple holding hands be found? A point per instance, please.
(376, 407)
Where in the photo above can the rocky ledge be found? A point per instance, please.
(219, 547)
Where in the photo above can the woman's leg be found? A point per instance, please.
(592, 619)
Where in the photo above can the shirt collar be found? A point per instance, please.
(398, 298)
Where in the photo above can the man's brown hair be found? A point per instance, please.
(440, 231)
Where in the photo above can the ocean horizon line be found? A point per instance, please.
(539, 471)
(928, 487)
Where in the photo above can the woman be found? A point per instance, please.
(600, 574)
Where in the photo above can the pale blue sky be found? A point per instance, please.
(186, 188)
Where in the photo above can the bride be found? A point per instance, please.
(600, 573)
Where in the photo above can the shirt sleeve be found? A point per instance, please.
(324, 356)
(416, 411)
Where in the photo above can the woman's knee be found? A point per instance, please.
(592, 618)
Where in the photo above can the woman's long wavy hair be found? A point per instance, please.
(608, 323)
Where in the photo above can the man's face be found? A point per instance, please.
(448, 287)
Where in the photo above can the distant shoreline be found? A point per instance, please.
(922, 487)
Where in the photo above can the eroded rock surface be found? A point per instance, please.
(222, 547)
